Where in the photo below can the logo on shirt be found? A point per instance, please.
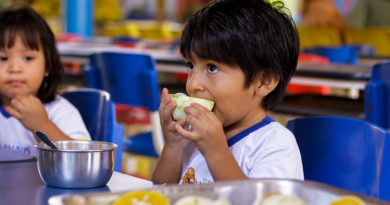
(17, 148)
(189, 176)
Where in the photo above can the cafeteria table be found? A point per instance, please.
(334, 75)
(20, 183)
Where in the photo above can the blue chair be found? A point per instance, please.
(344, 152)
(131, 79)
(377, 95)
(337, 54)
(98, 113)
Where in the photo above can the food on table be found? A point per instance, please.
(182, 100)
(348, 200)
(200, 200)
(142, 197)
(279, 199)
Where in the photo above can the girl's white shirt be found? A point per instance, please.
(14, 136)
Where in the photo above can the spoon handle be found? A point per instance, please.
(42, 136)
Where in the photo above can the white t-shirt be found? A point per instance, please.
(15, 137)
(265, 150)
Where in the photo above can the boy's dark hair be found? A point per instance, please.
(251, 34)
(36, 34)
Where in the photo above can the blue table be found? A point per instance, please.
(20, 183)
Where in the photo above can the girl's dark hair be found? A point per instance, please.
(36, 34)
(252, 34)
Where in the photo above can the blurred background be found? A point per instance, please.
(341, 40)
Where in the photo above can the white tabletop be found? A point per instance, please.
(122, 182)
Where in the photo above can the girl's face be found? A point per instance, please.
(21, 71)
(236, 107)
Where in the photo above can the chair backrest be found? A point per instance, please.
(377, 95)
(98, 113)
(344, 152)
(337, 54)
(131, 79)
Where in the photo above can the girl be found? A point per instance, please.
(30, 73)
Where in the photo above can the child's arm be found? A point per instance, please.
(168, 168)
(208, 134)
(31, 113)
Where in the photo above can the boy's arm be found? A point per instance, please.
(168, 168)
(223, 165)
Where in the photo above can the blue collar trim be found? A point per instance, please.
(246, 132)
(3, 111)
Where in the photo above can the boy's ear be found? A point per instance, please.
(266, 85)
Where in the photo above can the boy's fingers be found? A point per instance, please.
(182, 122)
(183, 132)
(167, 110)
(195, 122)
(165, 91)
(167, 106)
(165, 96)
(199, 108)
(196, 111)
(164, 99)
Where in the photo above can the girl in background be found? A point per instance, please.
(30, 74)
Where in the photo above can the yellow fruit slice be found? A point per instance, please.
(279, 199)
(142, 198)
(348, 200)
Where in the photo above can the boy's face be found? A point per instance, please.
(21, 70)
(236, 107)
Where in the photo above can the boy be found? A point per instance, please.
(241, 55)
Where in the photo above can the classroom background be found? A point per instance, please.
(341, 41)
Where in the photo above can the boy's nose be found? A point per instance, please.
(194, 83)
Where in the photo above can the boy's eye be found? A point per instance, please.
(190, 66)
(3, 58)
(213, 68)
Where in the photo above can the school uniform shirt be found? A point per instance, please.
(15, 137)
(265, 150)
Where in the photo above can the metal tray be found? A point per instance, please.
(236, 192)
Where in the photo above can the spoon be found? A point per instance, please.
(42, 136)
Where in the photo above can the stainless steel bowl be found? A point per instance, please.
(76, 164)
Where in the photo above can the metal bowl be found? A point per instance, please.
(76, 164)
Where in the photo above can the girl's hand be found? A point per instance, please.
(172, 137)
(207, 131)
(29, 110)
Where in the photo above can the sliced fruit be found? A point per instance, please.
(348, 200)
(279, 199)
(182, 100)
(142, 197)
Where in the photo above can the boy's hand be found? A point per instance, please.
(29, 110)
(207, 131)
(172, 137)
